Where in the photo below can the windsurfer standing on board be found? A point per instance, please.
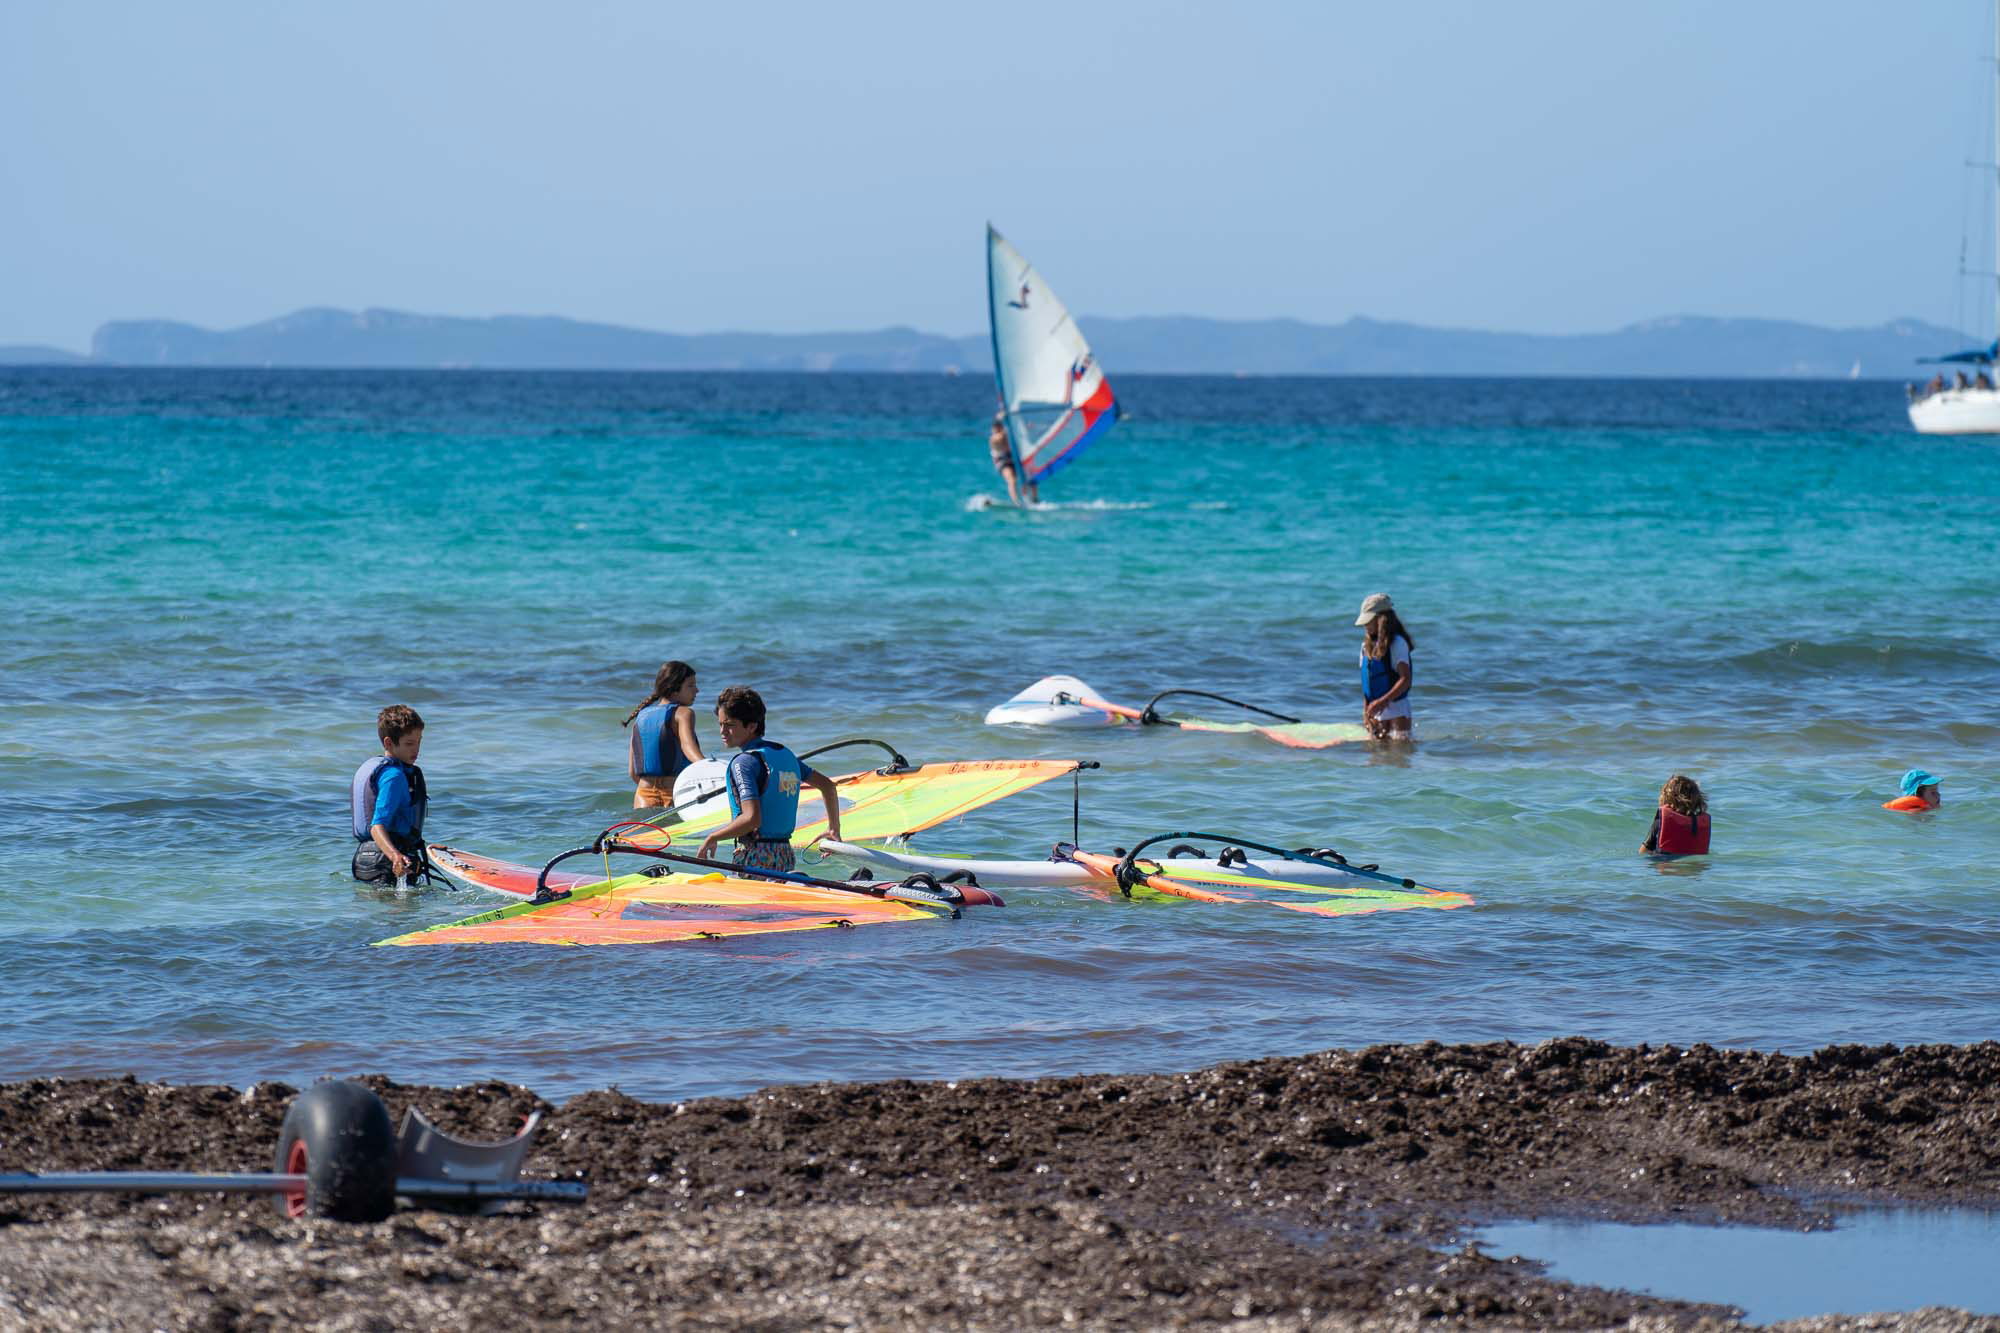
(763, 784)
(1003, 462)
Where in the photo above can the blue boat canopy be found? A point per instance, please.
(1978, 356)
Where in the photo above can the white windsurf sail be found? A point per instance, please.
(1055, 397)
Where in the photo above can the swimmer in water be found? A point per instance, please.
(1920, 792)
(1680, 825)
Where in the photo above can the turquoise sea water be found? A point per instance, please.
(212, 581)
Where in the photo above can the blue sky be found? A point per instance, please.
(1546, 165)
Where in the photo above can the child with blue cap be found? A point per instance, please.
(1920, 792)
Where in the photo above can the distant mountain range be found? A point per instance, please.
(31, 354)
(1679, 346)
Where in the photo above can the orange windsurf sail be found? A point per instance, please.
(645, 909)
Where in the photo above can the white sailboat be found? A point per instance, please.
(1053, 395)
(1962, 405)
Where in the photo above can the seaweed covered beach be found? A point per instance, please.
(1328, 1190)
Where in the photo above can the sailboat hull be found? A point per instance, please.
(1957, 412)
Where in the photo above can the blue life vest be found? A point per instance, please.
(656, 750)
(1378, 677)
(368, 782)
(777, 790)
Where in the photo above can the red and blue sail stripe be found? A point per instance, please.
(1094, 417)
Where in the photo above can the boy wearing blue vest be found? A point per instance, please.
(389, 799)
(763, 784)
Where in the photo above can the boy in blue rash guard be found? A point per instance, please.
(764, 784)
(389, 798)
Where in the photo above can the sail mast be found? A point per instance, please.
(1995, 164)
(999, 367)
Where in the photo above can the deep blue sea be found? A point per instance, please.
(212, 580)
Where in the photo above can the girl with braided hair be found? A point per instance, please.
(663, 740)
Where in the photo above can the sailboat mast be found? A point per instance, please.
(999, 370)
(1995, 164)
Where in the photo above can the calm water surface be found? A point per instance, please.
(213, 580)
(1873, 1261)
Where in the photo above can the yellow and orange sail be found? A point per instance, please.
(647, 909)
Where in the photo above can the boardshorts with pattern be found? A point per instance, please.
(764, 854)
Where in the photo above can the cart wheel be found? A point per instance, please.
(337, 1136)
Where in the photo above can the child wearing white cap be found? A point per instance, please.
(1385, 669)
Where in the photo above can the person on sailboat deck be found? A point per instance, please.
(1003, 461)
(663, 742)
(764, 782)
(1982, 381)
(1385, 670)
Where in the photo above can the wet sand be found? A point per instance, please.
(1322, 1191)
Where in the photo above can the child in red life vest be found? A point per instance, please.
(1920, 792)
(1680, 825)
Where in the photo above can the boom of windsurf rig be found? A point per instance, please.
(1131, 870)
(920, 888)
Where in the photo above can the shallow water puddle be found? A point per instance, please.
(1875, 1260)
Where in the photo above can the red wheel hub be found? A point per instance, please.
(295, 1165)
